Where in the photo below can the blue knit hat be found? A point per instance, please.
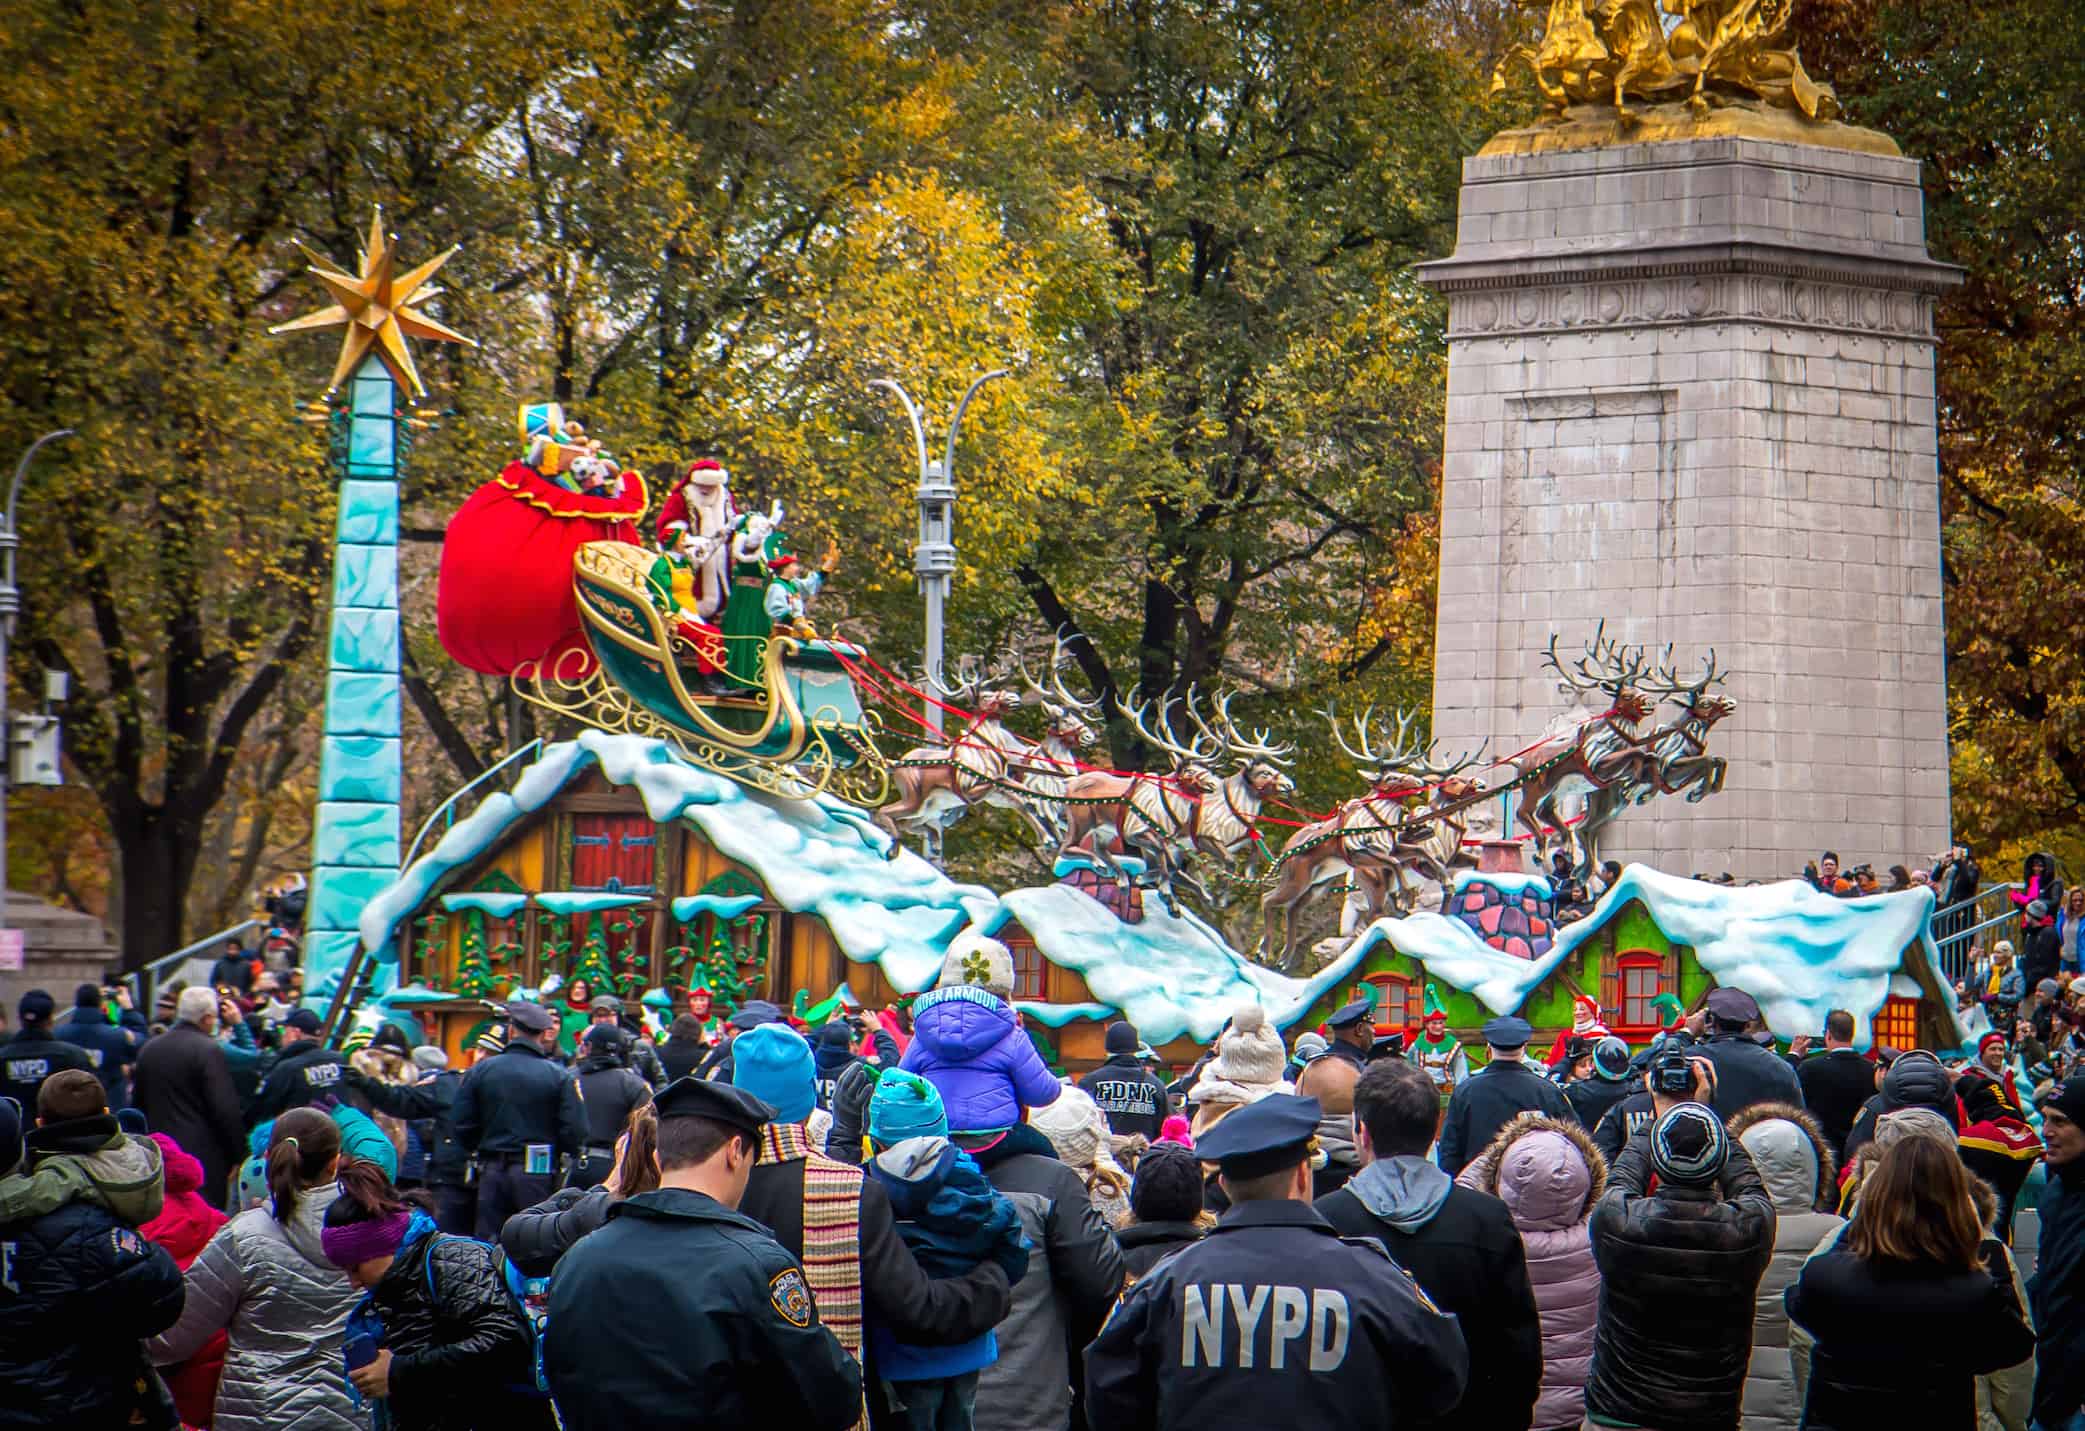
(905, 1106)
(773, 1063)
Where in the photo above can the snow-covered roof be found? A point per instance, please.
(820, 856)
(1169, 975)
(1801, 953)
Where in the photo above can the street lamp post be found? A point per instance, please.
(934, 553)
(10, 609)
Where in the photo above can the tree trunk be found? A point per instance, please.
(157, 865)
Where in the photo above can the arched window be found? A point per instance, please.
(1639, 980)
(1398, 1002)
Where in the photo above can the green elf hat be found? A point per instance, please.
(1435, 1009)
(777, 550)
(1670, 1006)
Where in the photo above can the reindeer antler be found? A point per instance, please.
(1665, 680)
(1133, 709)
(1607, 665)
(1087, 708)
(1229, 739)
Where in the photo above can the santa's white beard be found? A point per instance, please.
(711, 512)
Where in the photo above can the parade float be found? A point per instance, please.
(725, 816)
(726, 819)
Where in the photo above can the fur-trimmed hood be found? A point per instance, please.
(1542, 1186)
(1797, 1183)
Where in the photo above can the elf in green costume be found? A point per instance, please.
(1434, 1051)
(745, 624)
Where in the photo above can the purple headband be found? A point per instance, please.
(352, 1243)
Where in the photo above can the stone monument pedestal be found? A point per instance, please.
(1690, 392)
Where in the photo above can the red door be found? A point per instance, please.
(613, 853)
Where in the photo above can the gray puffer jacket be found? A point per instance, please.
(283, 1306)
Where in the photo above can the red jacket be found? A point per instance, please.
(184, 1227)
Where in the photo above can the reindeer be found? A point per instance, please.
(1226, 823)
(937, 783)
(1591, 754)
(1047, 766)
(1679, 761)
(1153, 817)
(1374, 837)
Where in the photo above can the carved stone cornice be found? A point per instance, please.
(1683, 298)
(1686, 260)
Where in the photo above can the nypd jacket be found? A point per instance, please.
(515, 1098)
(431, 1100)
(112, 1048)
(729, 1336)
(1273, 1320)
(30, 1057)
(300, 1077)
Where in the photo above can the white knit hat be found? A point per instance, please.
(1074, 1125)
(1249, 1062)
(975, 960)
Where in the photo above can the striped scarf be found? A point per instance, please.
(832, 1230)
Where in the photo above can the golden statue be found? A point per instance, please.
(1720, 53)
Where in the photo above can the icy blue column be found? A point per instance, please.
(355, 837)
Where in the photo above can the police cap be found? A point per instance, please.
(528, 1017)
(1508, 1031)
(689, 1097)
(1732, 1006)
(1264, 1137)
(1351, 1014)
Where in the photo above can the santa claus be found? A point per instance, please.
(700, 506)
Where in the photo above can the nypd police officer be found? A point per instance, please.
(307, 1071)
(730, 1336)
(1495, 1095)
(518, 1113)
(1273, 1318)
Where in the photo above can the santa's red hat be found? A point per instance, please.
(707, 465)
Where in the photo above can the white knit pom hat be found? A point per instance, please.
(975, 960)
(1249, 1062)
(1074, 1124)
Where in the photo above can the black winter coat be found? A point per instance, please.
(515, 1098)
(1901, 1344)
(896, 1294)
(727, 1335)
(184, 1088)
(30, 1057)
(301, 1076)
(536, 1237)
(1622, 1122)
(679, 1057)
(608, 1093)
(1747, 1074)
(1836, 1083)
(1131, 1096)
(79, 1291)
(2057, 1293)
(1469, 1259)
(1487, 1101)
(1679, 1274)
(112, 1048)
(431, 1101)
(1144, 1244)
(1590, 1098)
(457, 1341)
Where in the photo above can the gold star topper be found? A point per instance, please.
(377, 309)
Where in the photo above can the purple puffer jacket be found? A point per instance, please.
(1549, 1175)
(968, 1044)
